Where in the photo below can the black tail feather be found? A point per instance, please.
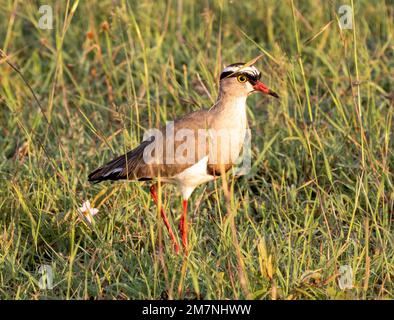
(122, 167)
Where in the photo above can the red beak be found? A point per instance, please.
(259, 86)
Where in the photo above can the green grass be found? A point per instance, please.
(320, 194)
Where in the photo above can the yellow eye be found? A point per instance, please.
(242, 79)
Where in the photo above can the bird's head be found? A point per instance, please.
(240, 79)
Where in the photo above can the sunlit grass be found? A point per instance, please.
(320, 193)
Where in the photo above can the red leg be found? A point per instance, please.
(164, 216)
(183, 226)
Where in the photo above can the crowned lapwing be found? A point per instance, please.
(161, 156)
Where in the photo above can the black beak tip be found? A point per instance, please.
(274, 94)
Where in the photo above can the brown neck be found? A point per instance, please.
(230, 100)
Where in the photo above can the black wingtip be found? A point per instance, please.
(102, 174)
(95, 176)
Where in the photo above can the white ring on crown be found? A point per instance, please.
(251, 70)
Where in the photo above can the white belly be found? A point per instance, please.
(193, 176)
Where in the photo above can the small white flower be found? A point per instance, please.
(87, 211)
(345, 280)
